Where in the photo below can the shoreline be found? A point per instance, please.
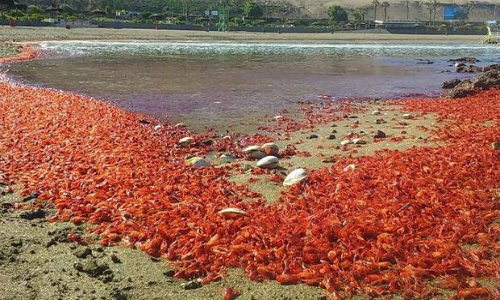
(210, 190)
(53, 33)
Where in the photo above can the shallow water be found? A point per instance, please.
(223, 83)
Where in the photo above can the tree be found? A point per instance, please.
(375, 4)
(407, 4)
(252, 10)
(429, 7)
(337, 14)
(33, 10)
(470, 7)
(359, 14)
(385, 5)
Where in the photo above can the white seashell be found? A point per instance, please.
(157, 127)
(271, 149)
(350, 167)
(185, 141)
(179, 125)
(295, 176)
(407, 116)
(254, 152)
(358, 142)
(345, 142)
(268, 162)
(232, 212)
(376, 113)
(197, 162)
(278, 117)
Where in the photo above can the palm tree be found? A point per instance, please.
(430, 8)
(470, 7)
(385, 5)
(375, 4)
(407, 4)
(435, 5)
(362, 13)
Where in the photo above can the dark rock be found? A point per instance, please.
(31, 197)
(380, 121)
(403, 132)
(331, 137)
(334, 131)
(207, 142)
(451, 83)
(488, 80)
(424, 61)
(469, 60)
(118, 295)
(467, 69)
(82, 252)
(312, 136)
(169, 273)
(93, 268)
(31, 215)
(145, 122)
(16, 243)
(465, 88)
(380, 135)
(115, 259)
(191, 285)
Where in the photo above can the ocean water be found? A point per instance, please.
(214, 83)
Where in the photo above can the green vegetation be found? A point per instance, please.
(235, 13)
(337, 14)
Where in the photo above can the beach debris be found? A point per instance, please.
(270, 149)
(495, 145)
(380, 121)
(232, 213)
(254, 152)
(197, 162)
(350, 167)
(346, 142)
(295, 176)
(376, 113)
(268, 162)
(408, 116)
(312, 136)
(185, 141)
(227, 157)
(380, 135)
(231, 294)
(331, 137)
(358, 142)
(192, 284)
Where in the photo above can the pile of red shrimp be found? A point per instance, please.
(390, 223)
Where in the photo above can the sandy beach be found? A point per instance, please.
(400, 201)
(21, 34)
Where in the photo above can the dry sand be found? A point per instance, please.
(18, 34)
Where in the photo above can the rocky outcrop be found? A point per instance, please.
(484, 81)
(451, 83)
(468, 60)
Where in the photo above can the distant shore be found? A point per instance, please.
(20, 34)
